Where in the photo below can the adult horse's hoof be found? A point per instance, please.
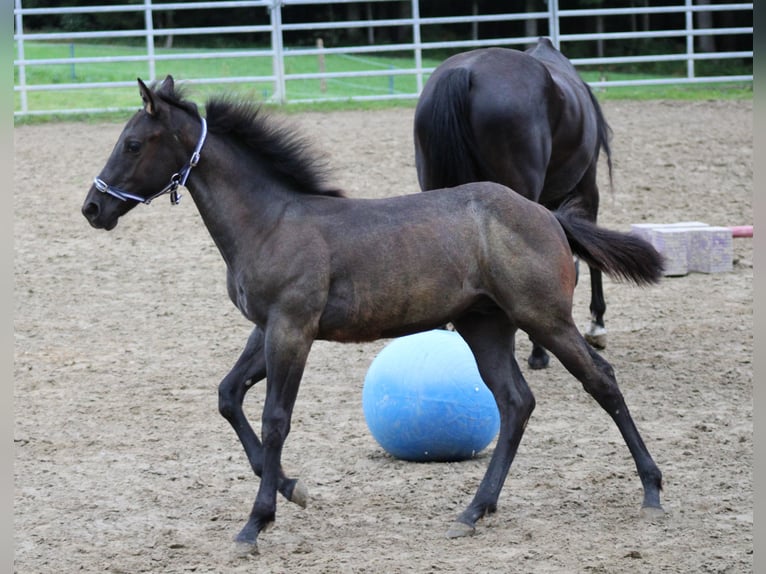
(300, 494)
(460, 530)
(538, 360)
(596, 336)
(652, 512)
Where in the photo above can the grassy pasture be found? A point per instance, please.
(211, 64)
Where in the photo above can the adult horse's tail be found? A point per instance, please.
(619, 255)
(446, 141)
(604, 133)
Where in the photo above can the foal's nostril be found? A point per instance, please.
(90, 210)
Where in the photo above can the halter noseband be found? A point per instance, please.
(176, 180)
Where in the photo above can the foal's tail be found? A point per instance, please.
(619, 255)
(444, 132)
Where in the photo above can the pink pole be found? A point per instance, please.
(742, 231)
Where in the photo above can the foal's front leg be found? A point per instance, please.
(285, 351)
(248, 370)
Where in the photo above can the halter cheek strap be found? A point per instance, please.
(177, 179)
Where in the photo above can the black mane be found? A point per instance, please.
(284, 150)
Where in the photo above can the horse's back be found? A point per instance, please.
(490, 214)
(494, 68)
(528, 122)
(457, 248)
(455, 219)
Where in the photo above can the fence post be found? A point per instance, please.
(277, 58)
(553, 22)
(20, 54)
(149, 26)
(418, 49)
(689, 39)
(321, 65)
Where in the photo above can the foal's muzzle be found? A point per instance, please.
(99, 213)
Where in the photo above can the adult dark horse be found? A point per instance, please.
(523, 119)
(305, 263)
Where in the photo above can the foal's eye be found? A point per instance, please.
(132, 146)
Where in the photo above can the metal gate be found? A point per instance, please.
(279, 78)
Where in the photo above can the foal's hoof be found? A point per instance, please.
(460, 530)
(652, 512)
(300, 494)
(243, 549)
(596, 336)
(246, 542)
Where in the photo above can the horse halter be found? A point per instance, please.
(177, 179)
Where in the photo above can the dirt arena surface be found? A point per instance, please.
(123, 464)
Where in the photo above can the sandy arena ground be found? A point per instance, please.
(123, 464)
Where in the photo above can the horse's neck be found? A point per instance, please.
(234, 198)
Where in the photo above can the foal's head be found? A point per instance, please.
(147, 158)
(156, 151)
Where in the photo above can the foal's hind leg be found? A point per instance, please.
(491, 341)
(248, 370)
(597, 377)
(539, 358)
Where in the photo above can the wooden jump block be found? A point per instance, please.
(689, 246)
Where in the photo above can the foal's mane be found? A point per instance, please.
(284, 150)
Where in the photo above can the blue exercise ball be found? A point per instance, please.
(423, 399)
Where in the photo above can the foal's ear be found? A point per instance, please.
(148, 98)
(151, 104)
(167, 85)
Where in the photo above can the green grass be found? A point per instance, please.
(183, 69)
(679, 91)
(340, 89)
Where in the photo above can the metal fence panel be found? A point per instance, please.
(281, 80)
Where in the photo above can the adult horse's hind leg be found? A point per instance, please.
(597, 378)
(538, 356)
(490, 338)
(248, 370)
(586, 199)
(596, 332)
